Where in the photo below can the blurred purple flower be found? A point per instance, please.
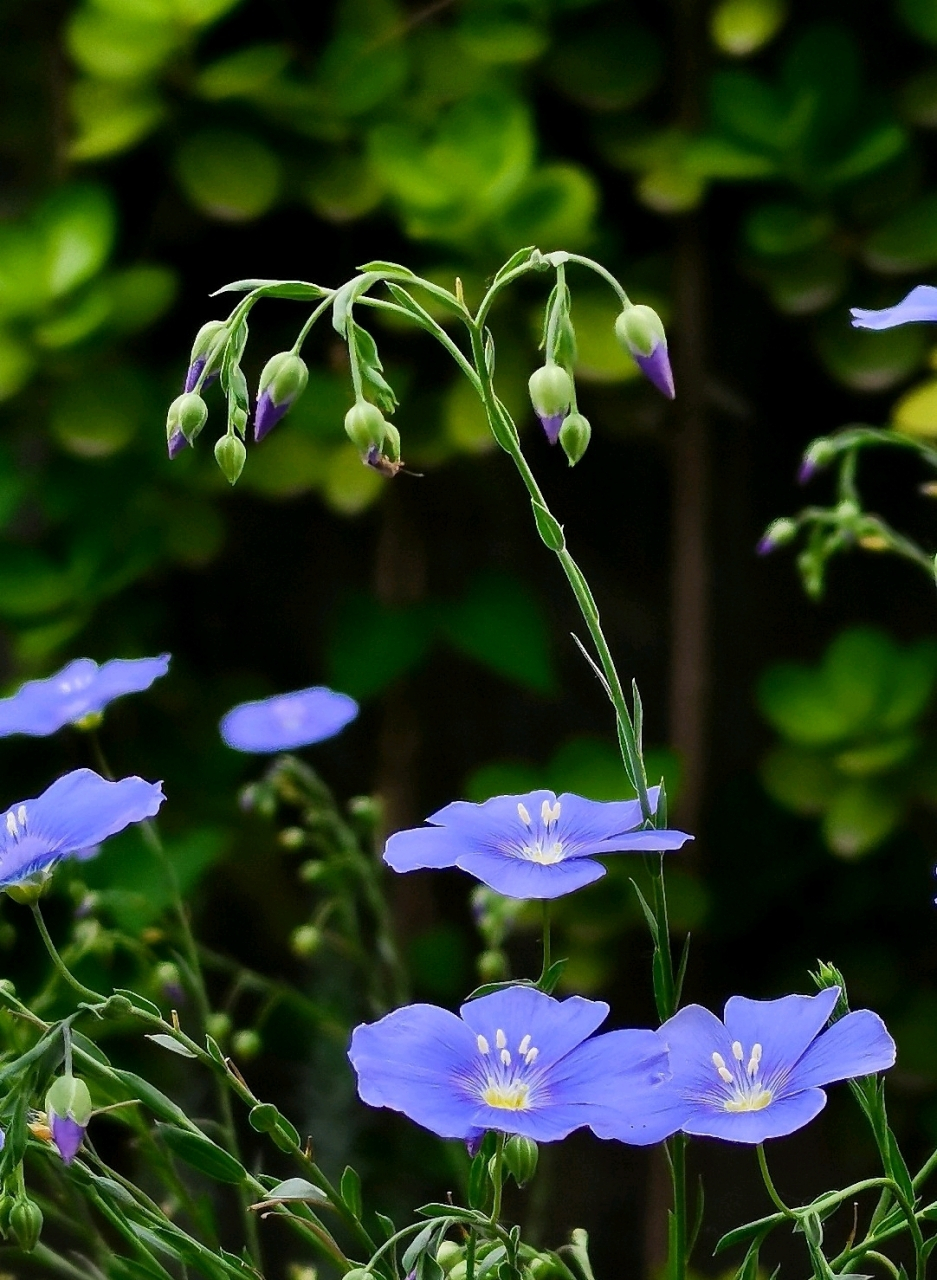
(515, 1061)
(288, 720)
(82, 688)
(530, 846)
(919, 304)
(72, 817)
(759, 1074)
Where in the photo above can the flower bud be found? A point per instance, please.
(263, 1117)
(282, 382)
(231, 455)
(187, 415)
(28, 892)
(391, 442)
(306, 941)
(246, 1044)
(492, 966)
(26, 1224)
(169, 980)
(551, 391)
(820, 454)
(116, 1007)
(68, 1108)
(448, 1254)
(365, 426)
(218, 1026)
(778, 534)
(575, 434)
(828, 975)
(520, 1156)
(206, 338)
(640, 332)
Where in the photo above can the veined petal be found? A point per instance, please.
(585, 822)
(856, 1045)
(421, 847)
(783, 1116)
(784, 1028)
(919, 304)
(493, 821)
(692, 1036)
(518, 877)
(554, 1027)
(642, 841)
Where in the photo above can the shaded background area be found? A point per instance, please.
(750, 168)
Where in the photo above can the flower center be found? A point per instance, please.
(544, 847)
(747, 1091)
(506, 1082)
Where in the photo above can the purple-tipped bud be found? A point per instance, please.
(551, 393)
(208, 345)
(366, 428)
(778, 533)
(187, 415)
(176, 443)
(282, 382)
(640, 331)
(68, 1107)
(820, 454)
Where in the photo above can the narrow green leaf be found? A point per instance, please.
(167, 1042)
(161, 1106)
(378, 265)
(515, 260)
(549, 528)
(350, 1189)
(552, 976)
(202, 1154)
(740, 1234)
(299, 290)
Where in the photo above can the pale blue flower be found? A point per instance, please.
(920, 304)
(80, 689)
(288, 720)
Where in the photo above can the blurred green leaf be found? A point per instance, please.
(229, 175)
(140, 295)
(370, 645)
(554, 208)
(502, 33)
(782, 228)
(77, 226)
(31, 584)
(116, 45)
(344, 187)
(242, 73)
(742, 27)
(98, 416)
(608, 67)
(17, 364)
(859, 818)
(868, 361)
(907, 241)
(800, 780)
(920, 17)
(111, 117)
(500, 623)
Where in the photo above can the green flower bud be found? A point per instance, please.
(520, 1157)
(283, 378)
(365, 426)
(391, 442)
(312, 870)
(551, 391)
(230, 455)
(448, 1254)
(575, 434)
(26, 1224)
(188, 413)
(641, 332)
(218, 1026)
(827, 975)
(207, 350)
(246, 1044)
(306, 941)
(820, 454)
(117, 1007)
(492, 966)
(778, 534)
(263, 1118)
(6, 1208)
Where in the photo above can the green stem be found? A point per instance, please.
(497, 1179)
(769, 1184)
(678, 1259)
(547, 952)
(60, 966)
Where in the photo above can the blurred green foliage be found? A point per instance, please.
(855, 751)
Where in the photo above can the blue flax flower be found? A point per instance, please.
(80, 689)
(531, 846)
(516, 1061)
(760, 1073)
(288, 720)
(919, 304)
(72, 817)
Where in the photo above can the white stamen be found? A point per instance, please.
(500, 1039)
(718, 1061)
(726, 1075)
(506, 1057)
(483, 1045)
(737, 1051)
(549, 813)
(754, 1060)
(523, 1046)
(11, 823)
(523, 815)
(531, 1056)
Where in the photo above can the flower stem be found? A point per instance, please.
(497, 1179)
(547, 952)
(769, 1184)
(678, 1230)
(61, 967)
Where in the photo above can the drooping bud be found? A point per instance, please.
(819, 455)
(282, 382)
(206, 339)
(520, 1156)
(365, 426)
(575, 434)
(246, 1044)
(230, 455)
(778, 534)
(551, 392)
(827, 975)
(306, 941)
(68, 1107)
(169, 980)
(26, 1224)
(640, 331)
(448, 1254)
(187, 415)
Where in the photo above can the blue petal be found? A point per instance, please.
(422, 847)
(288, 720)
(856, 1045)
(621, 1081)
(415, 1060)
(554, 1026)
(919, 304)
(781, 1117)
(692, 1036)
(642, 841)
(79, 811)
(81, 688)
(67, 1134)
(493, 822)
(518, 877)
(784, 1028)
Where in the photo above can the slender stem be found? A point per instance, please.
(553, 319)
(304, 331)
(769, 1184)
(470, 1255)
(60, 966)
(679, 1259)
(497, 1179)
(547, 956)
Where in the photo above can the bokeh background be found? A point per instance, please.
(750, 168)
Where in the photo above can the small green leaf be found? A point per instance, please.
(297, 1189)
(168, 1042)
(202, 1154)
(549, 528)
(350, 1188)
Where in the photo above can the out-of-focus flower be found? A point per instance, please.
(531, 846)
(72, 817)
(759, 1074)
(288, 720)
(516, 1061)
(81, 689)
(919, 304)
